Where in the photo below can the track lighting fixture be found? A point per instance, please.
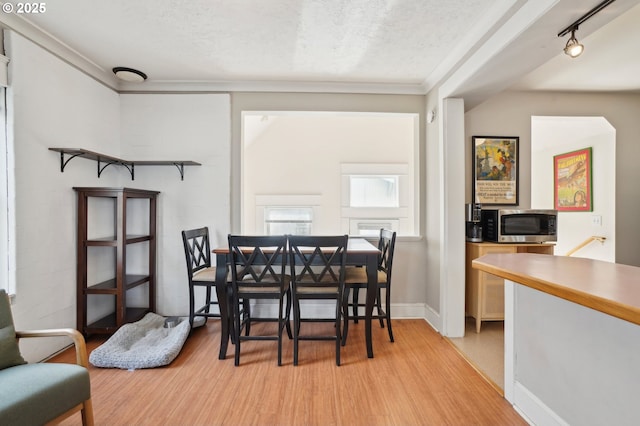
(573, 47)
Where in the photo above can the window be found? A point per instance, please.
(288, 220)
(371, 227)
(373, 191)
(285, 214)
(376, 195)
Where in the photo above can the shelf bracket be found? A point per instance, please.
(180, 167)
(64, 163)
(100, 170)
(131, 169)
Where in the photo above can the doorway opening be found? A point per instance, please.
(552, 136)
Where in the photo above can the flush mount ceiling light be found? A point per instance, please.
(129, 75)
(573, 48)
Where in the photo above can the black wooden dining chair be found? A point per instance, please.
(258, 272)
(356, 279)
(317, 272)
(197, 251)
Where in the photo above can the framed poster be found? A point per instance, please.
(572, 181)
(495, 170)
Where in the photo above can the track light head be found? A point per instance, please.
(573, 47)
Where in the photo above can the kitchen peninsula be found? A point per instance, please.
(572, 335)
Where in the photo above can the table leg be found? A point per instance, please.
(223, 303)
(372, 284)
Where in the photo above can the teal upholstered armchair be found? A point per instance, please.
(34, 394)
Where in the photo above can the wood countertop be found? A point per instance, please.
(610, 288)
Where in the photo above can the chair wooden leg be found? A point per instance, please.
(379, 305)
(237, 321)
(355, 301)
(298, 323)
(338, 336)
(296, 330)
(345, 310)
(208, 301)
(287, 317)
(246, 308)
(191, 305)
(280, 326)
(388, 314)
(87, 413)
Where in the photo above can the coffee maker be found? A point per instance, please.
(473, 224)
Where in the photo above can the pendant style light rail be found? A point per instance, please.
(574, 48)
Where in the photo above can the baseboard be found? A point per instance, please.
(433, 318)
(533, 410)
(320, 309)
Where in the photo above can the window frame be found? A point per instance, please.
(267, 221)
(266, 201)
(400, 216)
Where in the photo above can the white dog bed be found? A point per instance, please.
(142, 344)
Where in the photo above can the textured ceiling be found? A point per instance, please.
(341, 44)
(373, 41)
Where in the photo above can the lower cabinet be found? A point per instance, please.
(484, 295)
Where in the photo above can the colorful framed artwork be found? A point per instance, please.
(572, 191)
(495, 170)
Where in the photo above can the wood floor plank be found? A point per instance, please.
(418, 380)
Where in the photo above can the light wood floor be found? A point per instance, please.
(485, 350)
(421, 379)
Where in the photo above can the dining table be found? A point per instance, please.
(360, 252)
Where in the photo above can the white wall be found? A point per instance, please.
(570, 365)
(51, 105)
(433, 221)
(452, 229)
(552, 136)
(54, 105)
(180, 127)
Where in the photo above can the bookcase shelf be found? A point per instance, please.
(114, 249)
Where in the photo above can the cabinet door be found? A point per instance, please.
(492, 288)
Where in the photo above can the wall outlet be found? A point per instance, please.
(596, 220)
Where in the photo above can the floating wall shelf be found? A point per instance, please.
(106, 160)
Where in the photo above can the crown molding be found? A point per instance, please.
(58, 48)
(272, 86)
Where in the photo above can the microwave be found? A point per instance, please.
(519, 226)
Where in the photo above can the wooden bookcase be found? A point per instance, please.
(108, 228)
(484, 294)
